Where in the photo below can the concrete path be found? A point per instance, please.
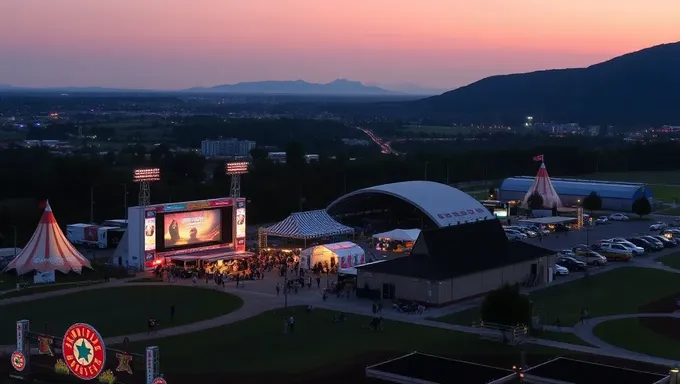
(585, 330)
(257, 302)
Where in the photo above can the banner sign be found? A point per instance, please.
(195, 205)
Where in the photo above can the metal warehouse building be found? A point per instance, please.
(616, 196)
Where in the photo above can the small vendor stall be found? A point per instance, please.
(396, 240)
(344, 254)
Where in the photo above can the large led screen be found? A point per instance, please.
(196, 227)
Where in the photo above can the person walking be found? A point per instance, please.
(291, 324)
(278, 289)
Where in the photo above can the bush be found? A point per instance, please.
(592, 202)
(642, 207)
(535, 201)
(507, 306)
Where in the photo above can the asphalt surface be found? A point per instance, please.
(591, 235)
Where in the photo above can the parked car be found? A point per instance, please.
(572, 264)
(537, 229)
(668, 243)
(514, 234)
(566, 253)
(644, 244)
(670, 233)
(602, 220)
(620, 240)
(581, 248)
(658, 226)
(613, 251)
(591, 258)
(560, 270)
(618, 217)
(653, 240)
(560, 228)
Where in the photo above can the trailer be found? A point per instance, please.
(109, 237)
(82, 233)
(119, 223)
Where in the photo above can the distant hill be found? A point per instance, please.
(642, 87)
(298, 87)
(412, 89)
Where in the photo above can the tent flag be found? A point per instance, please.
(544, 187)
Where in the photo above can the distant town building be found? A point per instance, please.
(280, 157)
(226, 147)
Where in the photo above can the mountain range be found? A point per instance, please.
(339, 87)
(641, 87)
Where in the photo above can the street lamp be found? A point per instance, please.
(124, 200)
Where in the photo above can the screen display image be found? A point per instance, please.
(150, 234)
(196, 227)
(240, 223)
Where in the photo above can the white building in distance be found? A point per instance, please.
(226, 148)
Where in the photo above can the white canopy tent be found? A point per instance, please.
(353, 271)
(399, 234)
(346, 255)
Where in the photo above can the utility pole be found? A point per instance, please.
(285, 290)
(91, 205)
(15, 240)
(124, 200)
(447, 173)
(425, 172)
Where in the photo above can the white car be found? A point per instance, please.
(602, 220)
(560, 270)
(627, 244)
(566, 253)
(659, 226)
(514, 234)
(618, 217)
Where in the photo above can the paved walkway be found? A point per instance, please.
(256, 302)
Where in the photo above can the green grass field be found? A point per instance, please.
(437, 129)
(40, 288)
(630, 334)
(118, 311)
(563, 337)
(622, 290)
(9, 281)
(259, 344)
(672, 260)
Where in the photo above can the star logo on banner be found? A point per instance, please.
(84, 351)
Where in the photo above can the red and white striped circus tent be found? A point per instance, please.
(48, 250)
(544, 187)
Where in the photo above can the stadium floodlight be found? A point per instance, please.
(146, 175)
(236, 168)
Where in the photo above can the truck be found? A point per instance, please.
(109, 237)
(82, 233)
(119, 223)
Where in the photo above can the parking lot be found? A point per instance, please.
(591, 235)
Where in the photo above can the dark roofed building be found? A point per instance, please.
(452, 263)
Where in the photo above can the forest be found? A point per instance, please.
(86, 188)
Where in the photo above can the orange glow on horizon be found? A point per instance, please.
(206, 42)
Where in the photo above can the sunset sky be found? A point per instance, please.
(172, 44)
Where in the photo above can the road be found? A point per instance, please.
(385, 146)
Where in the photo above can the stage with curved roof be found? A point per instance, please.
(441, 204)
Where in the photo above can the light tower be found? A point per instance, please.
(235, 170)
(146, 176)
(529, 123)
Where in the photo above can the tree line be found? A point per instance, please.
(273, 190)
